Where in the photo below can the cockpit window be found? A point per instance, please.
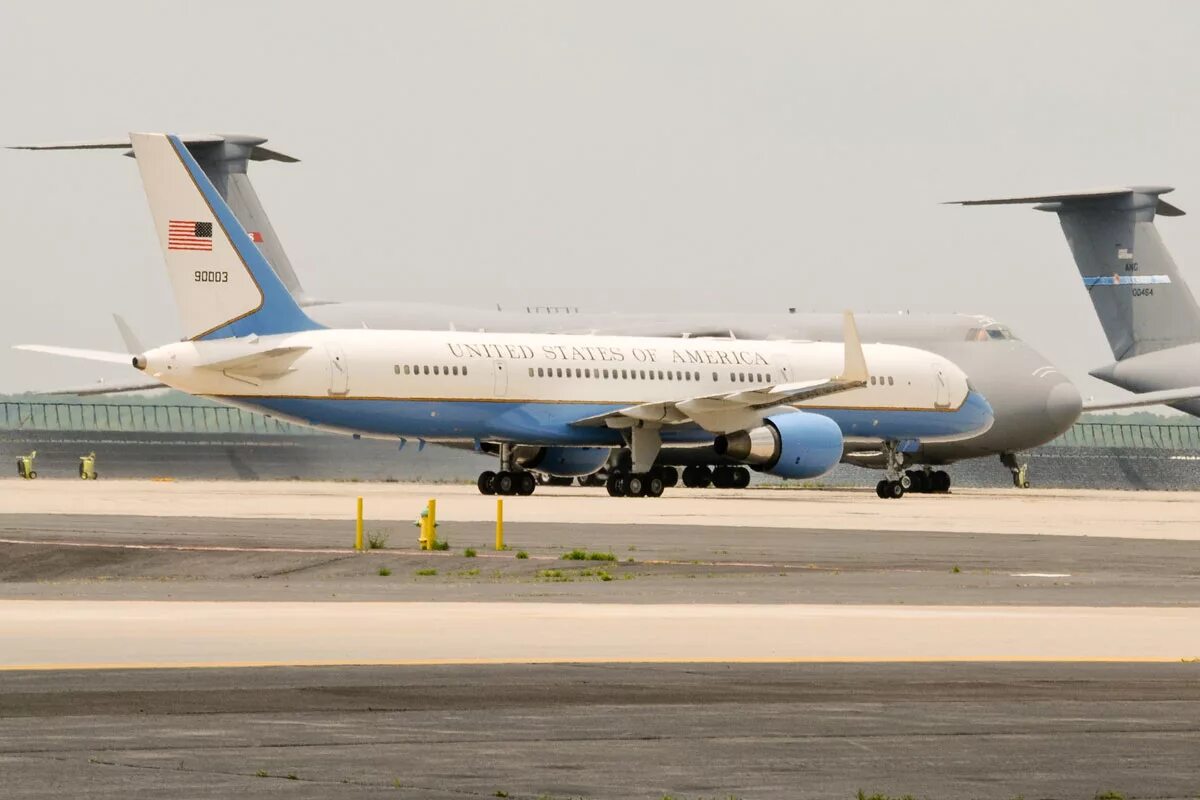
(990, 333)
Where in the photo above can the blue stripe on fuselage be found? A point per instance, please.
(551, 423)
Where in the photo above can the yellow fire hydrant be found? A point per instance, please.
(87, 467)
(25, 466)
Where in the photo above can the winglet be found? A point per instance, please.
(854, 370)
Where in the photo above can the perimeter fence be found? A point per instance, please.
(1149, 437)
(140, 418)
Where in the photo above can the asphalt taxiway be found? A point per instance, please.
(217, 640)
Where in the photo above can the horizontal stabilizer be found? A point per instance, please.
(1085, 196)
(77, 352)
(1146, 399)
(257, 152)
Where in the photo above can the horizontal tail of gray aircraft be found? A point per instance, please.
(224, 159)
(1141, 299)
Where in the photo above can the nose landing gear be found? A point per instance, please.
(1019, 470)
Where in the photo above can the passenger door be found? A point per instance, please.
(339, 372)
(501, 375)
(942, 398)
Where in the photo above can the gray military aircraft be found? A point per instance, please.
(1032, 401)
(1144, 305)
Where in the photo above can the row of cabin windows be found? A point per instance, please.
(424, 370)
(888, 381)
(643, 374)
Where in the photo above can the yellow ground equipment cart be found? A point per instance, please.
(87, 467)
(25, 466)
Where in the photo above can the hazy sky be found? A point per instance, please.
(610, 155)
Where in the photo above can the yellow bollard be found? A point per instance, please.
(358, 539)
(499, 523)
(432, 523)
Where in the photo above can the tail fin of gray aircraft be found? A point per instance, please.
(1141, 299)
(225, 159)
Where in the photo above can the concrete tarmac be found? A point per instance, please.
(794, 732)
(957, 592)
(1141, 515)
(42, 634)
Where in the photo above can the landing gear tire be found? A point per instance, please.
(525, 483)
(697, 477)
(723, 478)
(669, 475)
(890, 490)
(741, 478)
(486, 482)
(941, 481)
(505, 483)
(616, 485)
(635, 486)
(654, 486)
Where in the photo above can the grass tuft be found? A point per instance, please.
(522, 554)
(583, 555)
(376, 540)
(1109, 795)
(262, 773)
(384, 572)
(441, 544)
(470, 552)
(956, 570)
(427, 572)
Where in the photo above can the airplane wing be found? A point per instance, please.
(77, 352)
(1147, 399)
(711, 412)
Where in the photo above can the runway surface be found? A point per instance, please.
(78, 557)
(90, 635)
(1148, 515)
(792, 732)
(1042, 646)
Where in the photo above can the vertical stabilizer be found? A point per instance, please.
(223, 285)
(1141, 299)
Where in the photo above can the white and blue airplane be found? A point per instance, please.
(555, 402)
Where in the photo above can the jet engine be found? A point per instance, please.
(795, 445)
(562, 461)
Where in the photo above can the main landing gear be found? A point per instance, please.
(1019, 470)
(701, 477)
(506, 482)
(636, 484)
(509, 480)
(918, 481)
(643, 479)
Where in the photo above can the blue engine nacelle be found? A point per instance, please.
(794, 445)
(563, 461)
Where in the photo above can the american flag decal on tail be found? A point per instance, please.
(183, 234)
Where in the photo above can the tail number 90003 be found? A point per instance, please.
(210, 276)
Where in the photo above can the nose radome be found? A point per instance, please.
(1063, 405)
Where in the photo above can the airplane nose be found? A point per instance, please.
(1063, 405)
